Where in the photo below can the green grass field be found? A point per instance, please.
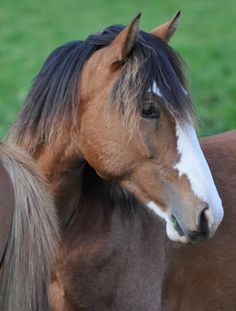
(206, 39)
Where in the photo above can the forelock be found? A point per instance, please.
(152, 62)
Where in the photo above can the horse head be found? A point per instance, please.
(136, 125)
(119, 101)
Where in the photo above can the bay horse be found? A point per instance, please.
(111, 123)
(28, 233)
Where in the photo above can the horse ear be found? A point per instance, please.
(166, 31)
(124, 42)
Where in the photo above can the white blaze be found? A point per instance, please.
(155, 89)
(193, 164)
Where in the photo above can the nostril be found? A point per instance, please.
(203, 222)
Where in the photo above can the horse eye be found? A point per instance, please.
(150, 111)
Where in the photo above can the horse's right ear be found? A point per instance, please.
(124, 42)
(167, 30)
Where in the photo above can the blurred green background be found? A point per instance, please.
(206, 39)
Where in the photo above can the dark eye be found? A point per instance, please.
(150, 111)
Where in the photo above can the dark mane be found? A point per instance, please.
(52, 103)
(152, 60)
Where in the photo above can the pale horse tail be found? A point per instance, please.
(26, 267)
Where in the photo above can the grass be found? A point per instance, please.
(29, 30)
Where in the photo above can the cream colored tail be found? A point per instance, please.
(26, 268)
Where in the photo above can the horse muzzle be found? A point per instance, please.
(204, 227)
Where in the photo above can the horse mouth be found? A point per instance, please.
(191, 237)
(176, 226)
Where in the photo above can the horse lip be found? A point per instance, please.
(177, 226)
(196, 238)
(192, 237)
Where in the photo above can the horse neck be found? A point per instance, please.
(78, 189)
(62, 168)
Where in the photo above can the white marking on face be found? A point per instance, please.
(155, 89)
(173, 234)
(157, 210)
(193, 164)
(170, 230)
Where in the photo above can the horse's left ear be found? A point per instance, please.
(166, 31)
(124, 42)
